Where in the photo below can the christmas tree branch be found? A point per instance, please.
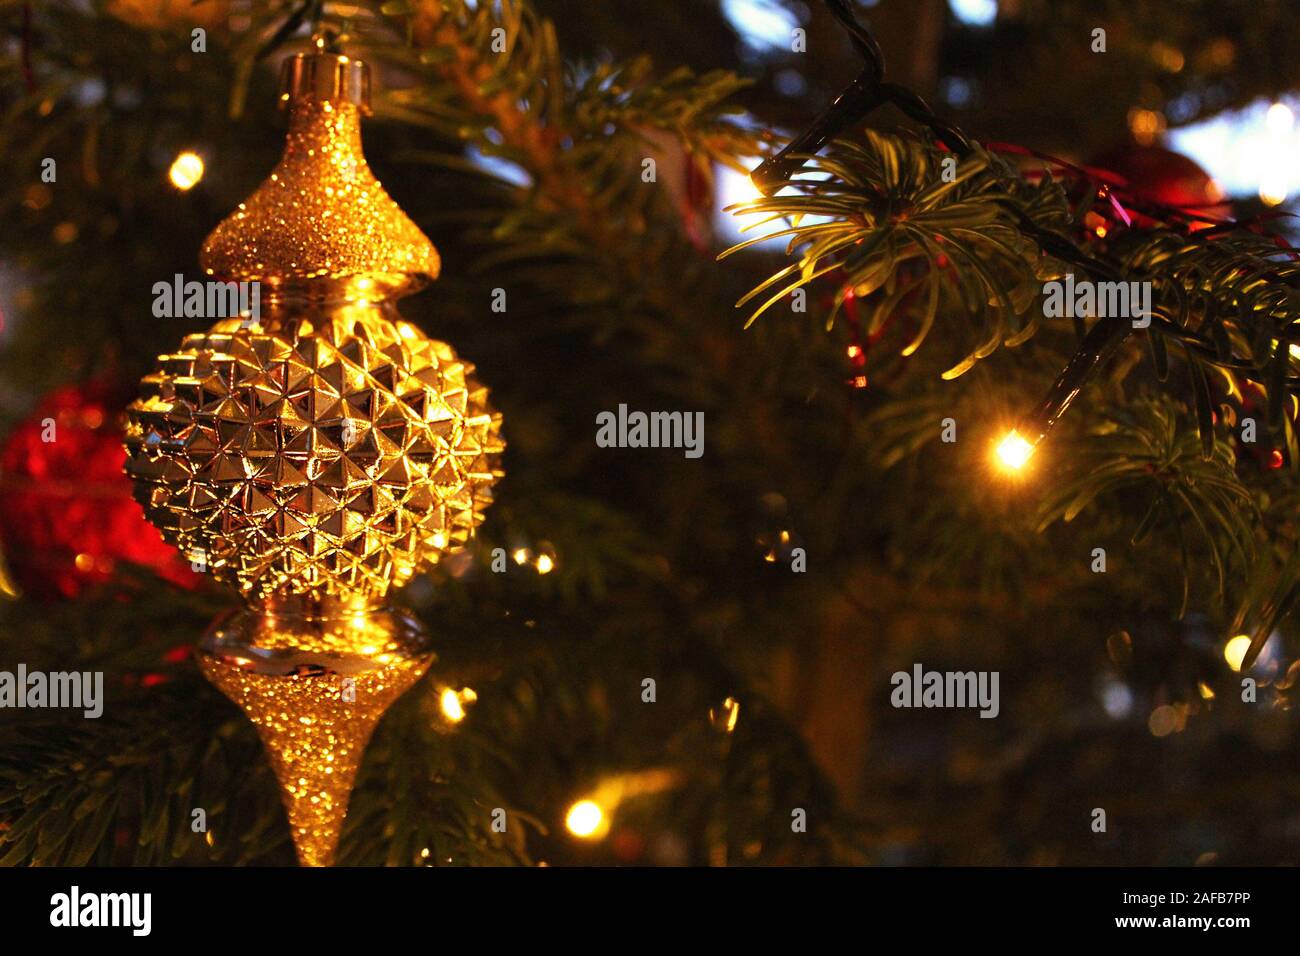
(491, 77)
(974, 213)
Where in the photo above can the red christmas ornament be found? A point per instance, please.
(67, 518)
(1149, 175)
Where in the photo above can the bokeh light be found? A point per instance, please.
(186, 171)
(585, 819)
(1014, 451)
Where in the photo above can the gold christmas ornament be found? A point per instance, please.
(317, 451)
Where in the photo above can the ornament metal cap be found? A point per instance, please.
(325, 76)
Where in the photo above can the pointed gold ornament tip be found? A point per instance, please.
(316, 689)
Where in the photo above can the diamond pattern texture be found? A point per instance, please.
(326, 462)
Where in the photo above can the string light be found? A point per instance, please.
(542, 558)
(451, 708)
(726, 716)
(1234, 652)
(1014, 451)
(186, 171)
(1145, 125)
(589, 818)
(586, 819)
(452, 702)
(1170, 58)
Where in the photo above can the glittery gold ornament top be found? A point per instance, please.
(321, 213)
(325, 449)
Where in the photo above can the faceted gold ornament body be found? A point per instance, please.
(329, 456)
(328, 448)
(316, 453)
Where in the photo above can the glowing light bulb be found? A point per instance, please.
(186, 171)
(1234, 652)
(726, 716)
(585, 819)
(452, 703)
(1014, 451)
(544, 564)
(451, 706)
(1145, 125)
